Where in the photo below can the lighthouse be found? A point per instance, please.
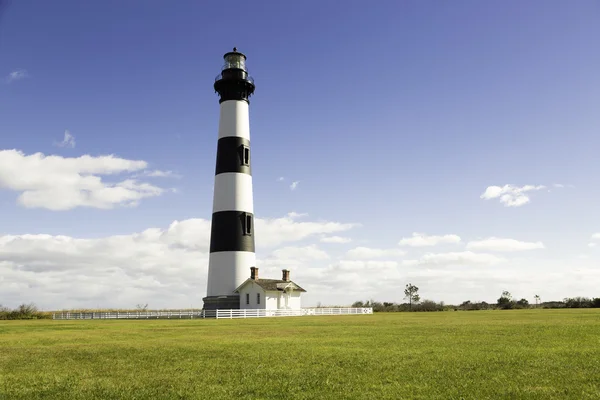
(232, 230)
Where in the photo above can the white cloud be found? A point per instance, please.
(68, 140)
(459, 258)
(168, 268)
(346, 281)
(117, 271)
(280, 179)
(335, 239)
(160, 174)
(501, 244)
(273, 232)
(369, 253)
(190, 234)
(16, 75)
(510, 195)
(60, 183)
(357, 265)
(423, 240)
(294, 215)
(595, 236)
(300, 253)
(409, 263)
(294, 185)
(164, 267)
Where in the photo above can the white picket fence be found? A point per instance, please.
(292, 313)
(171, 314)
(219, 314)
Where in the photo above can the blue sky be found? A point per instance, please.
(396, 117)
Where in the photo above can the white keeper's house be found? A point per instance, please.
(269, 294)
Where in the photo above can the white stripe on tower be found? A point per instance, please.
(232, 229)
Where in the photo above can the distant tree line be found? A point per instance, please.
(504, 302)
(30, 311)
(24, 311)
(411, 295)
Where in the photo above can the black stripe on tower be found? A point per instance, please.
(238, 88)
(232, 231)
(233, 155)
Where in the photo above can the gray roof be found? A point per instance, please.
(273, 284)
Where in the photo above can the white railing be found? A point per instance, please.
(171, 314)
(257, 313)
(292, 313)
(219, 314)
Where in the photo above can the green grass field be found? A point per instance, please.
(520, 354)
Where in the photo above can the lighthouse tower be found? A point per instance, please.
(232, 232)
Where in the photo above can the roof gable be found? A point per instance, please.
(272, 285)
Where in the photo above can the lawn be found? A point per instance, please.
(518, 354)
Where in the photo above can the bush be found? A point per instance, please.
(469, 306)
(425, 305)
(429, 305)
(553, 304)
(578, 302)
(523, 303)
(24, 311)
(377, 306)
(505, 302)
(4, 311)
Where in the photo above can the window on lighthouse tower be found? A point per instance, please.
(246, 220)
(244, 154)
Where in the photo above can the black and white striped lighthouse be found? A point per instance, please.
(232, 231)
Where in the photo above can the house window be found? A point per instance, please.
(246, 220)
(244, 154)
(247, 298)
(257, 298)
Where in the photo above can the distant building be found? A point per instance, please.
(269, 294)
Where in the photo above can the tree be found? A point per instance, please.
(505, 301)
(411, 292)
(578, 302)
(537, 299)
(523, 303)
(430, 305)
(466, 305)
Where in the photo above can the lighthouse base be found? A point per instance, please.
(231, 302)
